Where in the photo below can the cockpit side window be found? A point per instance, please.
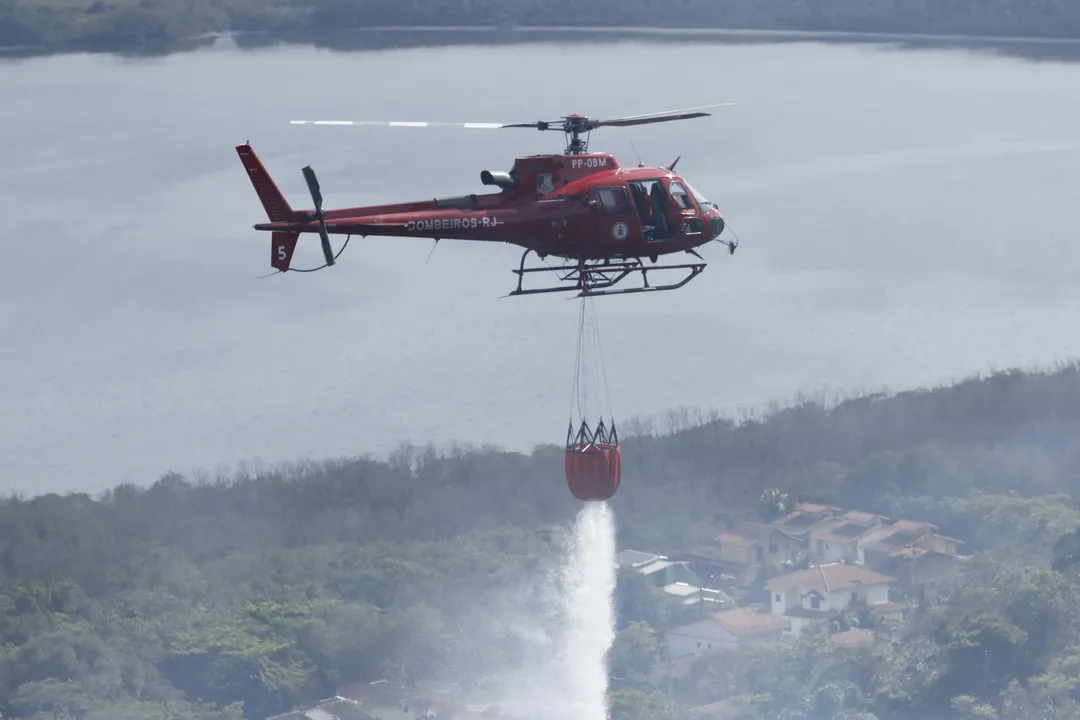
(702, 200)
(682, 197)
(614, 201)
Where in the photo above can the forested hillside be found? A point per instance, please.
(128, 25)
(247, 595)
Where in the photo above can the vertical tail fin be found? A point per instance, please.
(282, 246)
(276, 206)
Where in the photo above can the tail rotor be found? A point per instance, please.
(316, 196)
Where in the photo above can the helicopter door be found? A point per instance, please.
(615, 218)
(690, 222)
(660, 219)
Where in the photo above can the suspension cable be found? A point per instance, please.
(588, 383)
(603, 367)
(575, 394)
(306, 270)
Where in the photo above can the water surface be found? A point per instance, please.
(905, 217)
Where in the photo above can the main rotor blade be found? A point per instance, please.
(402, 123)
(684, 114)
(648, 118)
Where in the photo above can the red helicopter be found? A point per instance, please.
(579, 206)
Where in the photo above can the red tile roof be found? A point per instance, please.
(746, 534)
(827, 578)
(744, 622)
(855, 637)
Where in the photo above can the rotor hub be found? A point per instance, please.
(573, 127)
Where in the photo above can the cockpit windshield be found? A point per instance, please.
(705, 204)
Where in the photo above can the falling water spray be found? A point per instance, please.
(565, 675)
(589, 604)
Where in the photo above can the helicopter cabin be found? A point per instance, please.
(664, 206)
(664, 211)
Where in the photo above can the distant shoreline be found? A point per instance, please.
(733, 32)
(353, 37)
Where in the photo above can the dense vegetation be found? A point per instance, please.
(129, 25)
(246, 595)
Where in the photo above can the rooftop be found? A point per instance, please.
(858, 516)
(855, 637)
(903, 534)
(377, 694)
(910, 553)
(827, 578)
(635, 558)
(744, 622)
(848, 527)
(694, 594)
(804, 517)
(815, 508)
(746, 534)
(655, 566)
(914, 525)
(334, 708)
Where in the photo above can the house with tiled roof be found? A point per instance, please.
(334, 708)
(926, 563)
(748, 546)
(853, 638)
(910, 534)
(694, 595)
(838, 539)
(378, 694)
(754, 543)
(810, 595)
(804, 519)
(384, 700)
(659, 570)
(725, 630)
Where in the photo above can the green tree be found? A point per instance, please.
(642, 705)
(634, 656)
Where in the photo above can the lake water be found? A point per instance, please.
(905, 215)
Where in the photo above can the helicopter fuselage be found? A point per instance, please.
(578, 207)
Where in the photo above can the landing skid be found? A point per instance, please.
(596, 277)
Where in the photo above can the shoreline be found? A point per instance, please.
(497, 35)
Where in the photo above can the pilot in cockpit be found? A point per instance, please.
(659, 211)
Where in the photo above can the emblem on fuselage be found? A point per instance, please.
(544, 184)
(620, 230)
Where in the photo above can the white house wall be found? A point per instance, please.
(840, 599)
(777, 603)
(837, 600)
(699, 637)
(797, 625)
(830, 551)
(874, 594)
